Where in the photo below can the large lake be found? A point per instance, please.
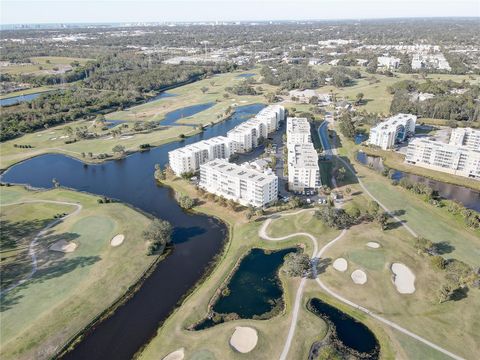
(197, 238)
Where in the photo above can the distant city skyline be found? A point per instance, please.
(112, 11)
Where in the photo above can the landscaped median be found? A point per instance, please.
(72, 284)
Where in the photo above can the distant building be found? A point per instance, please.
(392, 131)
(466, 137)
(302, 158)
(449, 158)
(430, 61)
(388, 62)
(239, 183)
(189, 158)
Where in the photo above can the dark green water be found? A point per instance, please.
(254, 289)
(352, 334)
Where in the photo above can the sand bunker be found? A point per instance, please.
(117, 240)
(176, 355)
(373, 245)
(359, 277)
(340, 264)
(403, 278)
(63, 246)
(244, 339)
(126, 137)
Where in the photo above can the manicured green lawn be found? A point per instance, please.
(42, 64)
(69, 289)
(53, 139)
(451, 325)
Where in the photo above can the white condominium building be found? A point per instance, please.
(239, 183)
(452, 159)
(298, 131)
(303, 169)
(393, 130)
(189, 158)
(247, 134)
(388, 62)
(467, 137)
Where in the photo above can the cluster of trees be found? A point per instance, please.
(186, 202)
(158, 234)
(471, 217)
(444, 105)
(458, 275)
(346, 125)
(290, 76)
(297, 264)
(120, 81)
(242, 88)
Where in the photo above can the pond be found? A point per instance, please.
(197, 238)
(21, 98)
(247, 75)
(352, 334)
(173, 116)
(468, 197)
(254, 289)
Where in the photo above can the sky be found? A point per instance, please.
(88, 11)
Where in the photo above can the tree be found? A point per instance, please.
(118, 149)
(373, 208)
(159, 174)
(359, 98)
(348, 190)
(334, 218)
(438, 262)
(446, 291)
(186, 202)
(158, 234)
(424, 246)
(55, 183)
(204, 89)
(341, 173)
(382, 219)
(297, 264)
(346, 126)
(68, 131)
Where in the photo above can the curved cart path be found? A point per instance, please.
(318, 253)
(31, 247)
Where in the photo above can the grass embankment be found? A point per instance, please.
(419, 312)
(41, 65)
(34, 90)
(215, 341)
(192, 94)
(69, 289)
(53, 140)
(451, 324)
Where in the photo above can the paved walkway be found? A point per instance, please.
(31, 248)
(318, 253)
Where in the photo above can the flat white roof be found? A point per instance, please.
(240, 172)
